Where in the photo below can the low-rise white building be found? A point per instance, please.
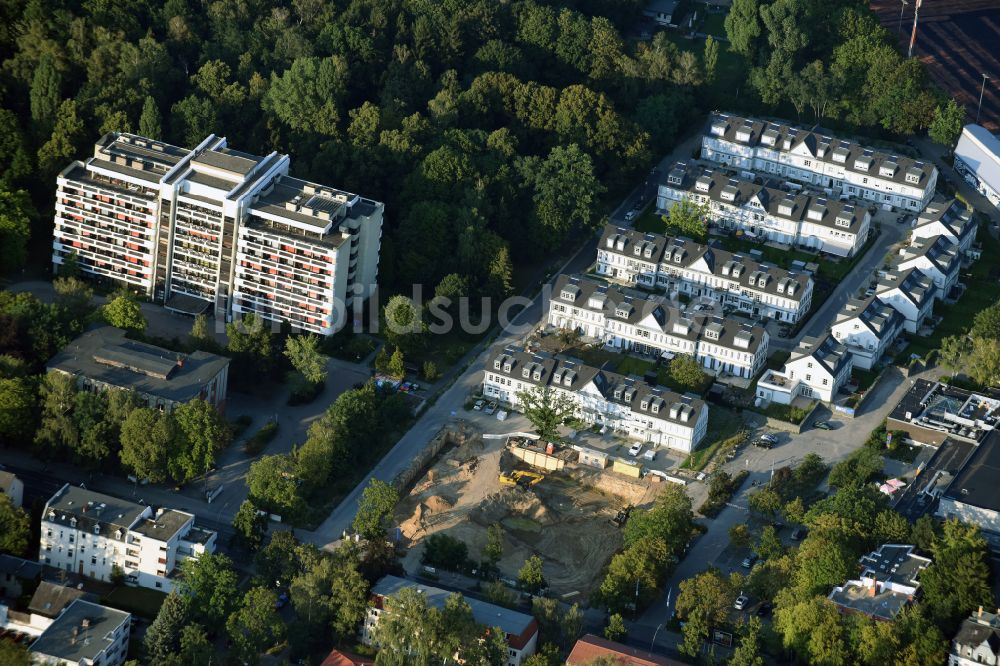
(977, 641)
(816, 370)
(800, 219)
(85, 634)
(681, 266)
(627, 405)
(93, 535)
(949, 219)
(654, 326)
(937, 257)
(846, 168)
(867, 328)
(911, 293)
(889, 583)
(977, 158)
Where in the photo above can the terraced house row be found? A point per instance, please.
(653, 326)
(215, 227)
(627, 405)
(844, 167)
(682, 266)
(815, 222)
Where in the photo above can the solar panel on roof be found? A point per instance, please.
(317, 202)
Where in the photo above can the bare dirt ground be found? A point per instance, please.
(564, 519)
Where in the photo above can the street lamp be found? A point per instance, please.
(902, 6)
(981, 91)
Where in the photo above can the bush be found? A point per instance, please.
(445, 552)
(858, 469)
(261, 438)
(430, 371)
(303, 392)
(240, 424)
(720, 489)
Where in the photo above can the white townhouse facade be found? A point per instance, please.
(796, 218)
(653, 326)
(867, 328)
(937, 257)
(977, 158)
(911, 293)
(844, 167)
(951, 220)
(215, 227)
(816, 370)
(84, 634)
(629, 406)
(92, 535)
(977, 641)
(681, 266)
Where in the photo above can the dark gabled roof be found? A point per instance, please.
(939, 250)
(815, 142)
(829, 353)
(89, 509)
(50, 599)
(875, 315)
(913, 283)
(955, 217)
(684, 252)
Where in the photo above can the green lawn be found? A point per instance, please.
(724, 425)
(715, 25)
(137, 600)
(624, 364)
(982, 291)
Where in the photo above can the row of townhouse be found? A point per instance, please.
(652, 325)
(796, 218)
(680, 265)
(925, 270)
(627, 405)
(811, 157)
(93, 535)
(214, 227)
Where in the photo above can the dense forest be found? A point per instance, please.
(490, 129)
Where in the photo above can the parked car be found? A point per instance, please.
(650, 455)
(823, 425)
(490, 408)
(479, 405)
(764, 609)
(749, 561)
(762, 443)
(799, 534)
(768, 437)
(501, 415)
(635, 449)
(629, 216)
(282, 600)
(741, 602)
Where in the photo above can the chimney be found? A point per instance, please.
(85, 623)
(980, 613)
(874, 590)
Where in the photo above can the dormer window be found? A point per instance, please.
(785, 208)
(843, 221)
(508, 366)
(753, 280)
(743, 134)
(656, 408)
(719, 127)
(648, 252)
(781, 287)
(816, 213)
(557, 376)
(863, 164)
(618, 394)
(568, 378)
(620, 244)
(729, 193)
(644, 405)
(611, 242)
(525, 371)
(628, 395)
(887, 170)
(72, 522)
(497, 364)
(637, 249)
(536, 375)
(703, 184)
(97, 529)
(623, 311)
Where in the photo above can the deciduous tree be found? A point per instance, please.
(256, 625)
(377, 503)
(546, 409)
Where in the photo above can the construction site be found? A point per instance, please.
(566, 511)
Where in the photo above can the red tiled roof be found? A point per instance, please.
(338, 658)
(592, 647)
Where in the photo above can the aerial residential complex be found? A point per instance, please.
(93, 535)
(789, 216)
(949, 219)
(216, 227)
(867, 328)
(736, 281)
(521, 630)
(977, 158)
(103, 359)
(845, 168)
(627, 405)
(937, 258)
(911, 292)
(653, 326)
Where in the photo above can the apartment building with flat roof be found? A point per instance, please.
(786, 215)
(736, 281)
(216, 228)
(811, 157)
(84, 634)
(653, 326)
(92, 534)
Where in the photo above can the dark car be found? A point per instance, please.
(749, 561)
(282, 600)
(799, 534)
(764, 609)
(764, 443)
(823, 425)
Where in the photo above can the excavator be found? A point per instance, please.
(520, 478)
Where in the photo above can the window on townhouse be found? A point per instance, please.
(809, 378)
(825, 382)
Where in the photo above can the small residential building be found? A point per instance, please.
(84, 634)
(628, 320)
(12, 487)
(342, 658)
(911, 292)
(867, 328)
(679, 266)
(977, 642)
(17, 575)
(950, 219)
(627, 405)
(103, 358)
(889, 582)
(977, 158)
(212, 227)
(661, 11)
(521, 630)
(937, 257)
(974, 495)
(845, 168)
(814, 221)
(92, 534)
(591, 649)
(815, 370)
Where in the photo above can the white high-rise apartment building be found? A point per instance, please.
(844, 167)
(91, 534)
(216, 227)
